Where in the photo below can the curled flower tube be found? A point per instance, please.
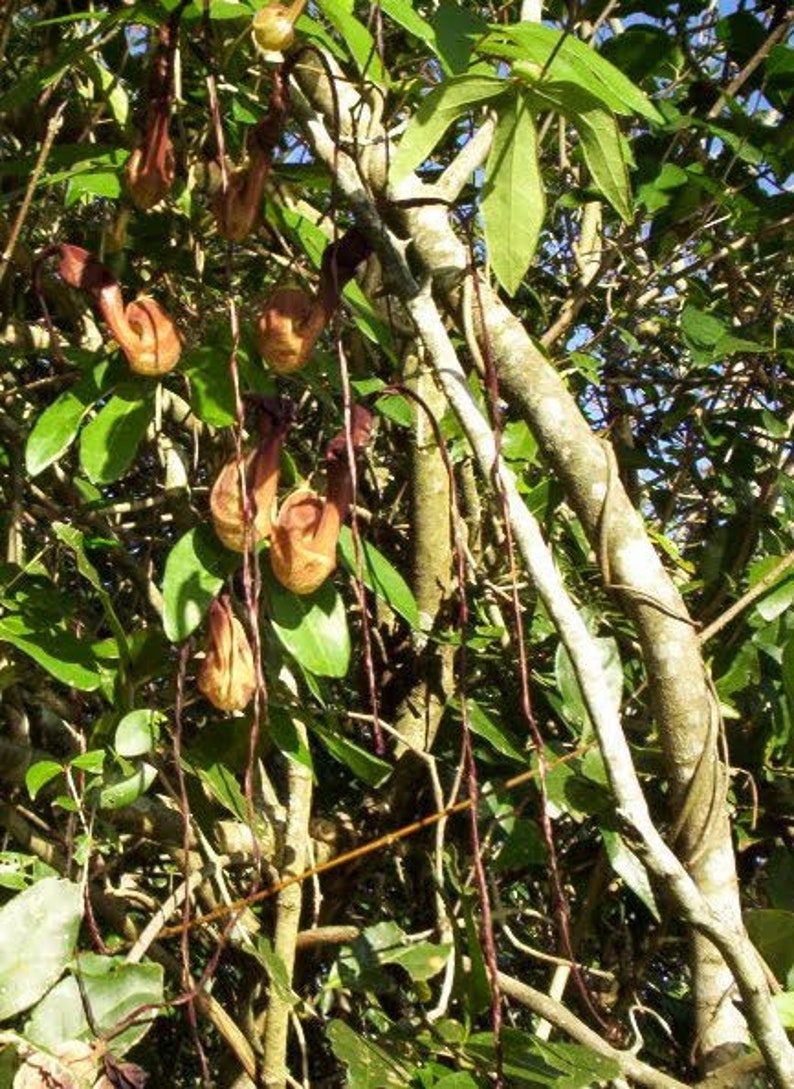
(305, 535)
(151, 169)
(227, 676)
(237, 207)
(144, 332)
(259, 470)
(290, 323)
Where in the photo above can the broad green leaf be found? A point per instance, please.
(368, 1066)
(138, 733)
(438, 109)
(276, 969)
(558, 55)
(62, 654)
(602, 144)
(772, 932)
(628, 866)
(57, 426)
(92, 761)
(513, 200)
(402, 12)
(39, 774)
(366, 766)
(52, 910)
(109, 443)
(111, 88)
(123, 792)
(700, 329)
(194, 574)
(379, 576)
(457, 29)
(312, 627)
(357, 38)
(211, 389)
(529, 1061)
(494, 732)
(113, 989)
(286, 737)
(359, 964)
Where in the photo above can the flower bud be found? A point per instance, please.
(227, 676)
(287, 328)
(273, 29)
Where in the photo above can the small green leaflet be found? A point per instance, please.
(364, 764)
(56, 428)
(436, 113)
(379, 576)
(627, 865)
(194, 573)
(109, 443)
(513, 201)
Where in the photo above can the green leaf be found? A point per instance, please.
(368, 1066)
(211, 389)
(513, 200)
(568, 684)
(312, 627)
(194, 574)
(39, 774)
(457, 29)
(772, 932)
(287, 739)
(65, 657)
(559, 55)
(138, 732)
(364, 764)
(402, 12)
(57, 426)
(113, 989)
(109, 443)
(52, 910)
(701, 330)
(357, 38)
(494, 732)
(125, 791)
(92, 761)
(628, 866)
(536, 1063)
(438, 109)
(379, 576)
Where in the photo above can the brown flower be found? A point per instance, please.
(273, 28)
(145, 333)
(304, 538)
(260, 469)
(287, 328)
(227, 676)
(151, 168)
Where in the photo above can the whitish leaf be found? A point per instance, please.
(380, 576)
(57, 426)
(52, 910)
(513, 201)
(559, 55)
(194, 573)
(312, 627)
(628, 866)
(113, 989)
(109, 443)
(138, 732)
(438, 109)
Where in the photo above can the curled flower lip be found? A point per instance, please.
(151, 168)
(288, 327)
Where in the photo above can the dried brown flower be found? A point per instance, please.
(227, 676)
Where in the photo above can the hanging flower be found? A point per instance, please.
(151, 168)
(238, 206)
(227, 676)
(260, 469)
(287, 328)
(305, 536)
(144, 332)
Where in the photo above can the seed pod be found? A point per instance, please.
(227, 676)
(287, 328)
